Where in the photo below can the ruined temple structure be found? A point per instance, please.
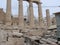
(14, 30)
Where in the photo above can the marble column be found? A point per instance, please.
(20, 13)
(48, 18)
(8, 13)
(40, 17)
(31, 15)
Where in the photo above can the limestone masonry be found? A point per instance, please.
(26, 31)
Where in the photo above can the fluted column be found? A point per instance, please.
(31, 14)
(40, 17)
(8, 13)
(20, 13)
(48, 18)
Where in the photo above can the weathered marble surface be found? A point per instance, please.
(15, 41)
(3, 37)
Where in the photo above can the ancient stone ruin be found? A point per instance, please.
(16, 31)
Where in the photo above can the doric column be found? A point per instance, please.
(48, 18)
(8, 13)
(31, 15)
(20, 13)
(40, 17)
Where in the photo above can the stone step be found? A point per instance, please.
(48, 41)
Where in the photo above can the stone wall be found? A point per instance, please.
(2, 16)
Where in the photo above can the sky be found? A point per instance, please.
(25, 6)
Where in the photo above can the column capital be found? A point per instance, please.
(39, 3)
(18, 0)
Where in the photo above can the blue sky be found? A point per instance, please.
(25, 5)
